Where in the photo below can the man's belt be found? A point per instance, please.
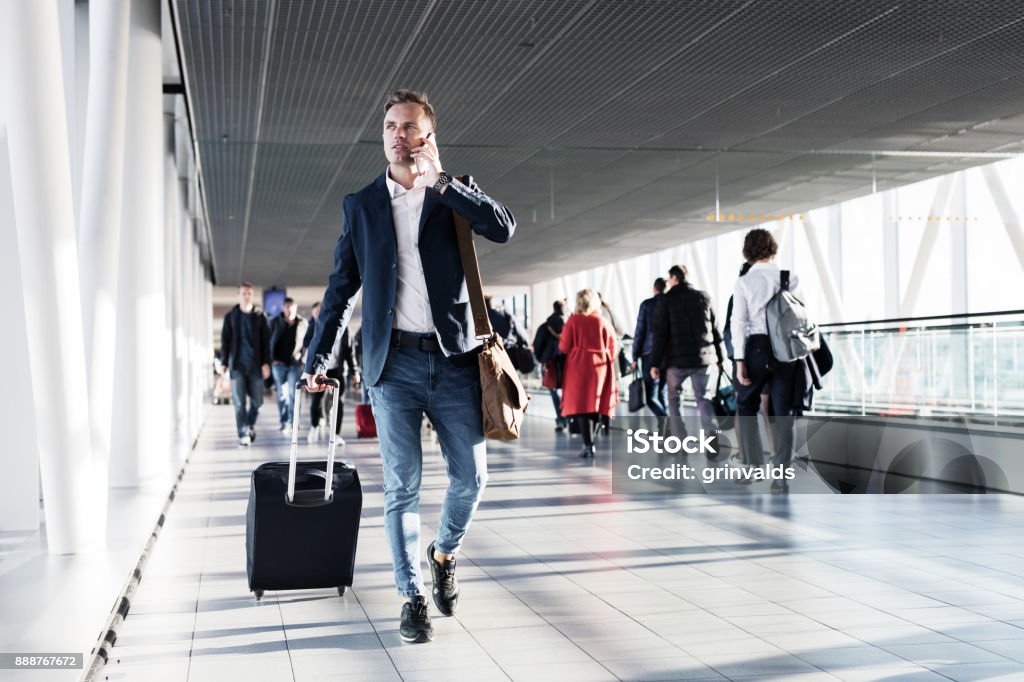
(427, 343)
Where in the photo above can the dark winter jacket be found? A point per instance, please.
(286, 341)
(643, 337)
(545, 341)
(231, 338)
(505, 326)
(685, 333)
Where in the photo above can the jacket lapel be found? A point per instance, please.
(380, 212)
(431, 200)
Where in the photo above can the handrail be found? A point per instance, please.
(954, 316)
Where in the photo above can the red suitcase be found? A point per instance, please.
(366, 427)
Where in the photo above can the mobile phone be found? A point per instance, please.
(423, 141)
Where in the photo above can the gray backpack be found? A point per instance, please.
(793, 334)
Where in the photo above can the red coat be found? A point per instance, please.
(588, 386)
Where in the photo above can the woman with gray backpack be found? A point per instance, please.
(770, 335)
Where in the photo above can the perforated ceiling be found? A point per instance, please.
(603, 125)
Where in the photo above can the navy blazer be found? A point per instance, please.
(366, 256)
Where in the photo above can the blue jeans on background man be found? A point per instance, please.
(285, 377)
(246, 384)
(654, 389)
(699, 378)
(556, 399)
(415, 382)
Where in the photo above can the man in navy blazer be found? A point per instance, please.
(398, 244)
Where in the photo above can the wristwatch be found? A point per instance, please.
(442, 180)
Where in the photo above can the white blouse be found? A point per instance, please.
(750, 302)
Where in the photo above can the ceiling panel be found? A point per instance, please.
(606, 127)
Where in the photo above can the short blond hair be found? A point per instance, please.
(587, 301)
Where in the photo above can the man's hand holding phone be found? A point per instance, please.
(428, 162)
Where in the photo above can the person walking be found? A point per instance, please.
(643, 343)
(686, 344)
(245, 353)
(545, 349)
(420, 353)
(589, 388)
(287, 332)
(756, 365)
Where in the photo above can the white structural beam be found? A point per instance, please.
(891, 253)
(172, 275)
(699, 276)
(927, 246)
(1008, 214)
(19, 486)
(958, 245)
(99, 229)
(140, 443)
(852, 365)
(40, 167)
(821, 263)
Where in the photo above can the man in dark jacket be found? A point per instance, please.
(398, 245)
(686, 344)
(643, 343)
(287, 332)
(245, 352)
(545, 349)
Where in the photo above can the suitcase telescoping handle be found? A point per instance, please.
(335, 388)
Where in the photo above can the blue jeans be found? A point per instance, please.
(699, 378)
(654, 389)
(415, 382)
(285, 377)
(556, 399)
(246, 384)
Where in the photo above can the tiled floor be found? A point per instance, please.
(562, 580)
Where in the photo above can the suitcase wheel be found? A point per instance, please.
(341, 591)
(258, 593)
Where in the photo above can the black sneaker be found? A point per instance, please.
(416, 627)
(446, 587)
(252, 434)
(780, 487)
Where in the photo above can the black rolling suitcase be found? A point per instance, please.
(303, 518)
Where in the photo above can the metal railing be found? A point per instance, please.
(969, 365)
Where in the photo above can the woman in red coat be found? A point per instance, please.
(588, 387)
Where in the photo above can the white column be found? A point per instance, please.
(19, 486)
(141, 435)
(41, 180)
(192, 303)
(835, 246)
(99, 227)
(172, 277)
(958, 247)
(891, 253)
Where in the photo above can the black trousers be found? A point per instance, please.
(779, 377)
(317, 407)
(587, 424)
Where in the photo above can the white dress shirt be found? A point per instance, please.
(412, 306)
(750, 302)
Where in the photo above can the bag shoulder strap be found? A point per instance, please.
(474, 285)
(784, 279)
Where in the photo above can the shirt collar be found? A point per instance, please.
(764, 266)
(394, 189)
